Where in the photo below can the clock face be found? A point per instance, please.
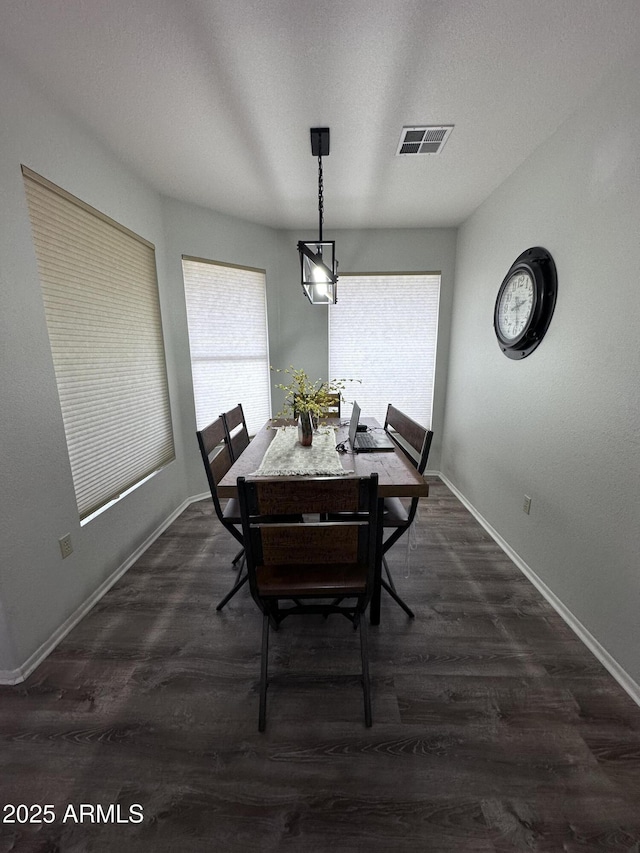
(525, 302)
(515, 306)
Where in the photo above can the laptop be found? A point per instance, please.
(367, 442)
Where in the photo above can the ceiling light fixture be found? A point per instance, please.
(318, 265)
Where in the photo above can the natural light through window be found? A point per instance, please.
(103, 316)
(383, 331)
(227, 318)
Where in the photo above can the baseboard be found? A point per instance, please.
(610, 664)
(15, 676)
(9, 677)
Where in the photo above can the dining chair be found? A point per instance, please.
(415, 442)
(331, 412)
(236, 430)
(295, 567)
(216, 455)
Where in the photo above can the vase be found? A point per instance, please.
(305, 429)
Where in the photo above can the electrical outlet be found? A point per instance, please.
(526, 506)
(66, 547)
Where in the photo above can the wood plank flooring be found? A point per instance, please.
(494, 729)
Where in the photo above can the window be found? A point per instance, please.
(103, 316)
(227, 317)
(383, 330)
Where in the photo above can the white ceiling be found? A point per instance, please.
(211, 101)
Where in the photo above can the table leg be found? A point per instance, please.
(374, 607)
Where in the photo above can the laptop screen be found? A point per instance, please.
(353, 425)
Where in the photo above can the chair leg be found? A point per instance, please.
(388, 573)
(397, 598)
(232, 592)
(263, 672)
(366, 683)
(240, 580)
(335, 601)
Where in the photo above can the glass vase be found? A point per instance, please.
(305, 429)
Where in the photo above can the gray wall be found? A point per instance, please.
(38, 590)
(562, 426)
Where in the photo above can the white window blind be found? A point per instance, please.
(103, 316)
(383, 331)
(227, 318)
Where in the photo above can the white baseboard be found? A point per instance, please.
(15, 676)
(610, 663)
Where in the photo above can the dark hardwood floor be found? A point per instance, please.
(494, 728)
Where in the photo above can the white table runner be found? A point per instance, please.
(285, 456)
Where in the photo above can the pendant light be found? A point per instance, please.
(318, 265)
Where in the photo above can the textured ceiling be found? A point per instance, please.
(211, 101)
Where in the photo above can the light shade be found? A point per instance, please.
(319, 271)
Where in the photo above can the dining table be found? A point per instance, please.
(397, 478)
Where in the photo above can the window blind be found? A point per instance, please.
(227, 318)
(103, 316)
(383, 331)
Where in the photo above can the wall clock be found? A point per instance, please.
(525, 303)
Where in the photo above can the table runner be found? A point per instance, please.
(285, 456)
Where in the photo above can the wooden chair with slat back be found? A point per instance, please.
(305, 563)
(332, 412)
(216, 456)
(415, 442)
(236, 430)
(333, 409)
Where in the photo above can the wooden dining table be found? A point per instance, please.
(396, 478)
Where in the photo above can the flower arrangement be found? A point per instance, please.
(304, 396)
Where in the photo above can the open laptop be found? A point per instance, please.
(367, 442)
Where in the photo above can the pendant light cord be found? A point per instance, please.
(320, 197)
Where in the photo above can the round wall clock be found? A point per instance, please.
(525, 303)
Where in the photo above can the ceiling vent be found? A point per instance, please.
(423, 140)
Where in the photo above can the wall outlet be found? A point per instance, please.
(526, 506)
(66, 547)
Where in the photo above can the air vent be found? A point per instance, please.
(423, 140)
